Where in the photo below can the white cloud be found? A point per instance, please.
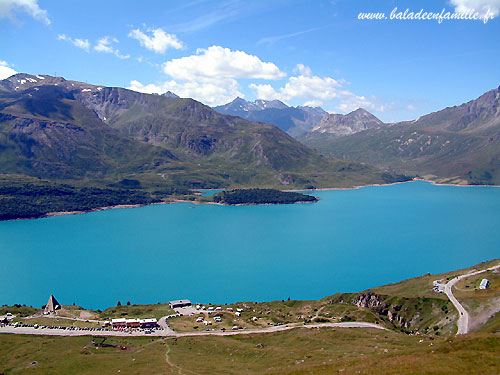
(80, 43)
(216, 62)
(480, 6)
(31, 7)
(5, 70)
(313, 103)
(350, 102)
(304, 70)
(105, 45)
(159, 42)
(210, 75)
(147, 89)
(411, 107)
(306, 87)
(266, 92)
(303, 86)
(270, 40)
(211, 93)
(315, 89)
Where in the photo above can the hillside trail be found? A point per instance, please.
(170, 365)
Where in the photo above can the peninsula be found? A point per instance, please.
(261, 196)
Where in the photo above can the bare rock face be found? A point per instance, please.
(170, 94)
(378, 305)
(370, 301)
(354, 122)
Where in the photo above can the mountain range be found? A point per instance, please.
(459, 145)
(58, 129)
(67, 130)
(293, 120)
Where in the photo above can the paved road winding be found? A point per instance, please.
(463, 322)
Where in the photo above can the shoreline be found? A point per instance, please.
(435, 183)
(119, 206)
(452, 276)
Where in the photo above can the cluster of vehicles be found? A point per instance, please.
(67, 328)
(218, 317)
(438, 287)
(217, 310)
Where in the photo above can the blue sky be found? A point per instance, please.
(301, 52)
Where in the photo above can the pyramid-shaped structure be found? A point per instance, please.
(52, 305)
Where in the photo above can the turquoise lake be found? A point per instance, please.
(349, 241)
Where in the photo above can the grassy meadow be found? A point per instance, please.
(300, 351)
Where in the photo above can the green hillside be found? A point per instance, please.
(45, 132)
(458, 144)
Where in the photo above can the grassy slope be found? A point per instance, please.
(59, 138)
(137, 311)
(422, 286)
(468, 156)
(301, 351)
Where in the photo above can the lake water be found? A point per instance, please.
(349, 241)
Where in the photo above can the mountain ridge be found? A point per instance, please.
(182, 140)
(293, 120)
(459, 144)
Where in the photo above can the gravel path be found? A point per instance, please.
(170, 333)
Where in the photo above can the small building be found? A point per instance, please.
(119, 323)
(179, 303)
(484, 284)
(149, 323)
(133, 323)
(52, 305)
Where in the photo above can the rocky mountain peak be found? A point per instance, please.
(170, 94)
(353, 122)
